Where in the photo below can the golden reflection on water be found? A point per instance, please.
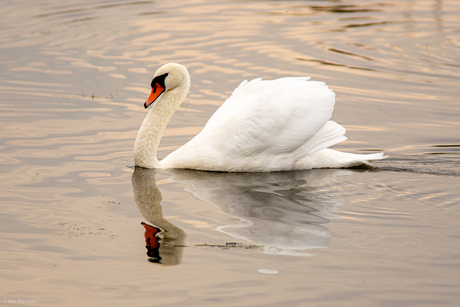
(73, 80)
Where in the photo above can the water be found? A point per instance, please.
(73, 79)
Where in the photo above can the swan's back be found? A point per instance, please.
(263, 126)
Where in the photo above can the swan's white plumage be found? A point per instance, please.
(266, 125)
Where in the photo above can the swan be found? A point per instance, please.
(265, 126)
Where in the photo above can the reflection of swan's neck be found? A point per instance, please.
(151, 131)
(148, 197)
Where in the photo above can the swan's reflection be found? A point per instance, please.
(284, 212)
(164, 241)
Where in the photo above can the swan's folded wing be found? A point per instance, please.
(276, 116)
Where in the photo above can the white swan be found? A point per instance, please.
(277, 125)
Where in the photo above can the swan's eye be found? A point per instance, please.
(159, 80)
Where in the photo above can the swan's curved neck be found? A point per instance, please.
(151, 131)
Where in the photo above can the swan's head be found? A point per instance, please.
(171, 77)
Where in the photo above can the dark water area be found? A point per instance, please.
(74, 76)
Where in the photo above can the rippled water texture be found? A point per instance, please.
(73, 79)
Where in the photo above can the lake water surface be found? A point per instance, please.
(73, 79)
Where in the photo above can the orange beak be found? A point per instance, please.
(157, 90)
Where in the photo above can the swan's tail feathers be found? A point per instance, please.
(372, 157)
(345, 159)
(331, 134)
(351, 160)
(329, 158)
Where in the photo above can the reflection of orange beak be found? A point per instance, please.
(151, 232)
(157, 90)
